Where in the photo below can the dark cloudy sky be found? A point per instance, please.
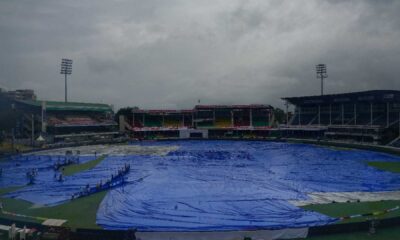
(170, 53)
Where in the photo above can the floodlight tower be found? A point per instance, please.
(66, 69)
(321, 74)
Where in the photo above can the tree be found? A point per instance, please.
(126, 111)
(280, 115)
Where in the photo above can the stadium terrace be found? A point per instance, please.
(210, 172)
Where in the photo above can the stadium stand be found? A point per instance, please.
(19, 94)
(369, 116)
(17, 120)
(223, 123)
(70, 121)
(221, 120)
(57, 121)
(235, 116)
(203, 116)
(159, 119)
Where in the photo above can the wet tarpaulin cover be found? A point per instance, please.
(211, 185)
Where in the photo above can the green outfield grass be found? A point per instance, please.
(9, 189)
(345, 209)
(75, 168)
(79, 212)
(387, 166)
(82, 213)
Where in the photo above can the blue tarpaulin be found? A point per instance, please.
(210, 185)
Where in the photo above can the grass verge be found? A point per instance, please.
(345, 209)
(10, 189)
(80, 213)
(75, 168)
(386, 166)
(6, 147)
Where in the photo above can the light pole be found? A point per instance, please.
(66, 69)
(321, 74)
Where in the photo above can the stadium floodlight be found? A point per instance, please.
(66, 69)
(321, 74)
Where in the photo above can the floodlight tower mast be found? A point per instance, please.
(321, 74)
(66, 69)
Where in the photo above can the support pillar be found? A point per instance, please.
(330, 114)
(319, 114)
(387, 114)
(355, 113)
(32, 129)
(269, 118)
(251, 117)
(144, 120)
(299, 110)
(122, 123)
(342, 114)
(372, 114)
(133, 119)
(287, 114)
(193, 120)
(231, 118)
(44, 122)
(214, 117)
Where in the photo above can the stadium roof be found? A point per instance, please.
(200, 107)
(364, 96)
(162, 111)
(250, 106)
(70, 106)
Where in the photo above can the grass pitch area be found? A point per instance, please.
(9, 189)
(75, 168)
(346, 209)
(80, 213)
(6, 147)
(387, 166)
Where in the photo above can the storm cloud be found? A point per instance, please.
(169, 54)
